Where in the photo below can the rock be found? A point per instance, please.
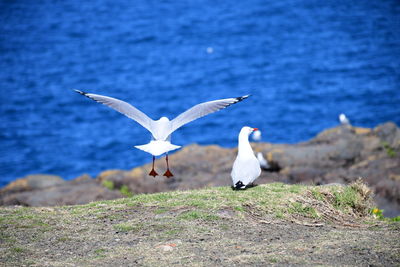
(82, 178)
(51, 190)
(32, 182)
(389, 133)
(165, 248)
(305, 175)
(68, 193)
(193, 167)
(136, 180)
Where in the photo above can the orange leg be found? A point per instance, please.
(153, 172)
(168, 173)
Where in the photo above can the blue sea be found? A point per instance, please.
(303, 62)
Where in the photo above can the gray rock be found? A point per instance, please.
(389, 133)
(65, 194)
(32, 182)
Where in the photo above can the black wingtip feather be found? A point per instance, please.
(240, 98)
(84, 94)
(80, 92)
(89, 96)
(237, 100)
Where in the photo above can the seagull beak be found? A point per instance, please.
(255, 129)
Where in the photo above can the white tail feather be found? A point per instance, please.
(157, 147)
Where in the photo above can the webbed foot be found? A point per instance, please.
(153, 173)
(168, 174)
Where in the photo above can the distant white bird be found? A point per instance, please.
(256, 135)
(246, 167)
(343, 119)
(162, 129)
(263, 162)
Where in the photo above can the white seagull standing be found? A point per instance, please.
(263, 162)
(343, 119)
(246, 167)
(162, 129)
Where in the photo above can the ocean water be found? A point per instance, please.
(304, 62)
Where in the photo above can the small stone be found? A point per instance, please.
(166, 248)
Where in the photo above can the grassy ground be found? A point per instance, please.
(266, 224)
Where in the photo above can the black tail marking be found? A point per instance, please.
(239, 185)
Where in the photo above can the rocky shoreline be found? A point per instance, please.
(338, 155)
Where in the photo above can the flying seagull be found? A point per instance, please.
(246, 167)
(162, 129)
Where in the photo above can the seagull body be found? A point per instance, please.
(343, 119)
(162, 129)
(256, 135)
(246, 167)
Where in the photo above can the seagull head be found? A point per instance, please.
(248, 130)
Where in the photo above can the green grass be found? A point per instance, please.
(18, 249)
(378, 213)
(238, 208)
(278, 200)
(108, 184)
(24, 218)
(161, 211)
(275, 198)
(301, 209)
(100, 253)
(4, 237)
(355, 198)
(125, 191)
(63, 239)
(395, 219)
(273, 260)
(172, 232)
(279, 214)
(317, 195)
(198, 215)
(224, 227)
(345, 198)
(389, 150)
(126, 227)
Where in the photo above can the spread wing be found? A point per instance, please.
(122, 107)
(202, 110)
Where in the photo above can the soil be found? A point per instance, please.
(148, 236)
